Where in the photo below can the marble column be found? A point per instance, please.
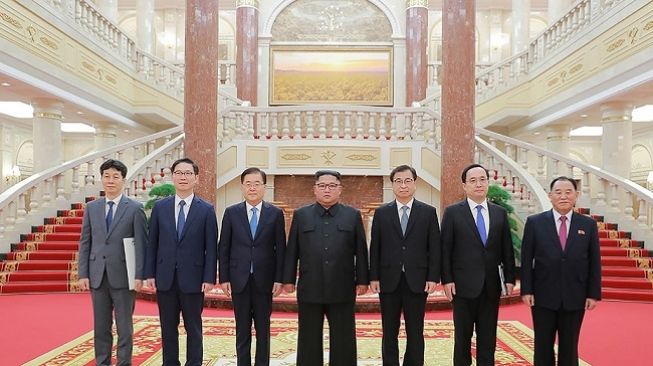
(556, 9)
(201, 92)
(145, 25)
(46, 133)
(417, 17)
(105, 135)
(521, 10)
(247, 49)
(108, 8)
(458, 92)
(557, 140)
(7, 160)
(617, 139)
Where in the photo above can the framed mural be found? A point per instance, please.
(301, 75)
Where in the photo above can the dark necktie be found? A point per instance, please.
(562, 234)
(181, 219)
(404, 219)
(480, 224)
(109, 217)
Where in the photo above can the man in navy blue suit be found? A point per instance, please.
(181, 262)
(250, 252)
(560, 273)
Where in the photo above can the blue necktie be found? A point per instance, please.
(253, 223)
(109, 217)
(404, 219)
(181, 219)
(480, 224)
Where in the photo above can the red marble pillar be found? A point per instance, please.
(201, 92)
(247, 49)
(417, 17)
(458, 92)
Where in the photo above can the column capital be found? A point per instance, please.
(105, 129)
(247, 3)
(616, 112)
(48, 108)
(417, 4)
(557, 133)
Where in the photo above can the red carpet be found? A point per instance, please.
(616, 333)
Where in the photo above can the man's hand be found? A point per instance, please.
(151, 283)
(509, 287)
(289, 288)
(528, 300)
(138, 285)
(375, 286)
(361, 289)
(590, 304)
(207, 287)
(430, 287)
(83, 284)
(276, 289)
(450, 290)
(226, 288)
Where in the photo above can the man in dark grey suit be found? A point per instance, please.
(560, 274)
(475, 241)
(328, 239)
(404, 265)
(101, 262)
(250, 255)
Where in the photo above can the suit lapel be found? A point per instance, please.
(243, 217)
(263, 217)
(120, 212)
(394, 217)
(552, 228)
(413, 216)
(100, 213)
(193, 212)
(572, 233)
(469, 218)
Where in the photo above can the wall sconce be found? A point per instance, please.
(13, 177)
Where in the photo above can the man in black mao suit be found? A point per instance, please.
(181, 262)
(404, 265)
(561, 273)
(475, 241)
(328, 240)
(250, 255)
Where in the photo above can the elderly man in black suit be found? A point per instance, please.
(475, 241)
(560, 274)
(404, 265)
(328, 240)
(250, 254)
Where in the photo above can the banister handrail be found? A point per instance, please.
(627, 184)
(152, 156)
(329, 107)
(22, 187)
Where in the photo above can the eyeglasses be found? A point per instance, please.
(406, 181)
(256, 185)
(323, 186)
(474, 181)
(186, 174)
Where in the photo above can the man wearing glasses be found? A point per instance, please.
(250, 252)
(404, 265)
(328, 239)
(181, 262)
(475, 241)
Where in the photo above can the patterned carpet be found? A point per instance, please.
(514, 345)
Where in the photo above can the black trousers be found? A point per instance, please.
(413, 305)
(480, 313)
(342, 334)
(171, 304)
(566, 323)
(252, 304)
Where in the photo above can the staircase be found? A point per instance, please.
(45, 260)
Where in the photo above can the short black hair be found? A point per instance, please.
(563, 178)
(114, 164)
(320, 173)
(463, 177)
(253, 171)
(196, 169)
(402, 168)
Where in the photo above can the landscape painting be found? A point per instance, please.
(346, 76)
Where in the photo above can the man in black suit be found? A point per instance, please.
(560, 274)
(181, 262)
(328, 239)
(404, 265)
(250, 255)
(475, 241)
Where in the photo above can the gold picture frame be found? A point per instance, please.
(333, 75)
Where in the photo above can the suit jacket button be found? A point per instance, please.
(326, 262)
(404, 247)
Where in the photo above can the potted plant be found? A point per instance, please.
(500, 196)
(157, 193)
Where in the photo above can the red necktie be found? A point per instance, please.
(562, 234)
